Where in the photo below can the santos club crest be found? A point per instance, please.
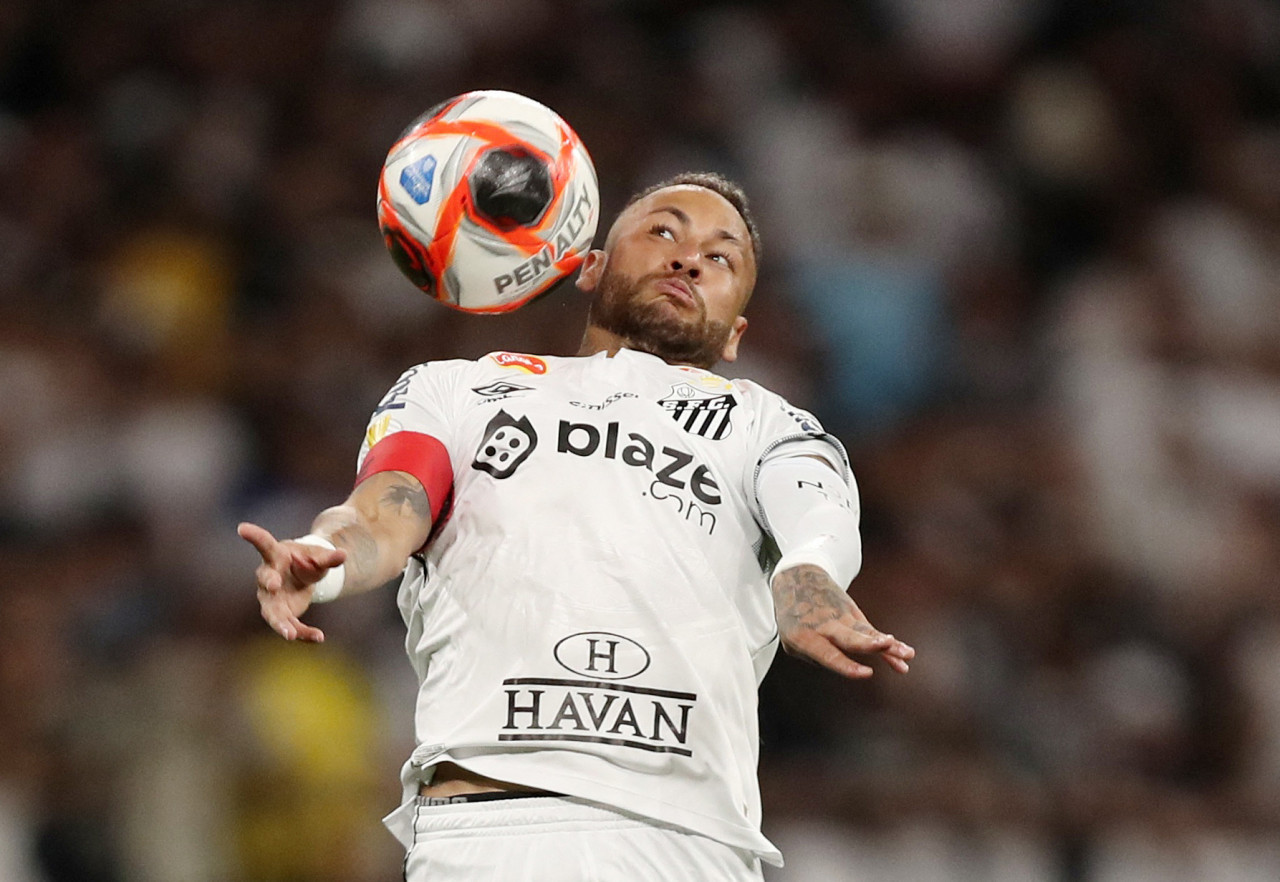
(700, 412)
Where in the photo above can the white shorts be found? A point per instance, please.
(562, 839)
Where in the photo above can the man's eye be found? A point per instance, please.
(663, 230)
(721, 258)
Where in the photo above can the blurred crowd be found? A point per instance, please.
(1023, 256)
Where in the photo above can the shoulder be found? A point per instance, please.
(496, 363)
(753, 391)
(772, 404)
(774, 418)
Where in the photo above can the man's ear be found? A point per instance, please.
(730, 351)
(592, 270)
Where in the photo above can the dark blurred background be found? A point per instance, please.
(1023, 256)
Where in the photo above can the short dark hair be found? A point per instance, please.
(716, 183)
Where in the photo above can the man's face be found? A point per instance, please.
(674, 275)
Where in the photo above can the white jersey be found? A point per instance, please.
(592, 617)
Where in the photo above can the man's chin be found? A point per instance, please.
(664, 327)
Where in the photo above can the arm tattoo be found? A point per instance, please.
(409, 498)
(804, 597)
(362, 551)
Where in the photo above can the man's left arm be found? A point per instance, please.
(812, 514)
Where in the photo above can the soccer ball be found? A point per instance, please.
(488, 200)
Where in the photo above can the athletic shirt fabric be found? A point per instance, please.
(592, 617)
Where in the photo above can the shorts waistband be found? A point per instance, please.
(486, 796)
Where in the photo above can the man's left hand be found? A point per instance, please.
(819, 622)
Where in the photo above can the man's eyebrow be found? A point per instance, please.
(725, 234)
(679, 214)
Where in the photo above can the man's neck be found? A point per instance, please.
(596, 339)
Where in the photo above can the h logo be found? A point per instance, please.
(599, 655)
(595, 654)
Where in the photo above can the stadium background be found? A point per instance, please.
(1022, 255)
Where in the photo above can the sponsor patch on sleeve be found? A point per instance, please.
(530, 364)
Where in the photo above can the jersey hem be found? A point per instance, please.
(617, 799)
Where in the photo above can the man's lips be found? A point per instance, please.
(678, 290)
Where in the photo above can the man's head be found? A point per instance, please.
(676, 271)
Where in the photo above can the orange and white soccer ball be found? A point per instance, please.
(487, 201)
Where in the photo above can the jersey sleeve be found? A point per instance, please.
(778, 429)
(410, 431)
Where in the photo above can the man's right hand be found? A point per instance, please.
(285, 578)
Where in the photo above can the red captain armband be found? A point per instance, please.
(421, 456)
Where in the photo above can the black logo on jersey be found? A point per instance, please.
(507, 443)
(500, 389)
(597, 712)
(839, 499)
(602, 655)
(699, 412)
(394, 399)
(679, 480)
(805, 420)
(616, 396)
(594, 710)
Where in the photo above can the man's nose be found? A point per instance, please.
(687, 264)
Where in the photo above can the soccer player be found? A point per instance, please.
(600, 556)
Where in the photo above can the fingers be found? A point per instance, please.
(269, 578)
(863, 637)
(310, 562)
(283, 577)
(898, 664)
(296, 629)
(269, 573)
(260, 539)
(820, 650)
(858, 639)
(282, 619)
(898, 655)
(833, 644)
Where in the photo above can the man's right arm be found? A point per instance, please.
(386, 518)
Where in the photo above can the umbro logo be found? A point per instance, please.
(500, 389)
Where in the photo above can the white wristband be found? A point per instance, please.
(330, 584)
